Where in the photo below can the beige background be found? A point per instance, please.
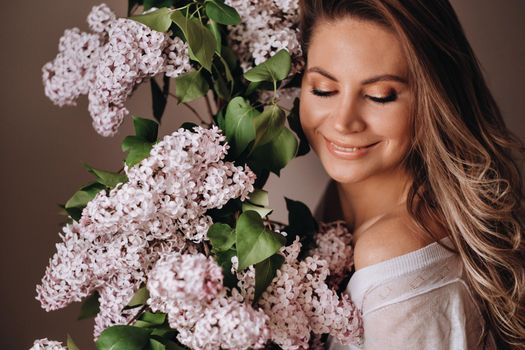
(42, 146)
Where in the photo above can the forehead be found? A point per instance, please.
(356, 48)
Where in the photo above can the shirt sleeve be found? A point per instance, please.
(442, 318)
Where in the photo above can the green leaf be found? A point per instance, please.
(268, 124)
(277, 153)
(146, 128)
(220, 121)
(214, 28)
(84, 195)
(158, 20)
(301, 223)
(171, 345)
(239, 123)
(137, 149)
(139, 146)
(190, 86)
(220, 86)
(262, 211)
(226, 65)
(222, 237)
(224, 261)
(200, 39)
(254, 241)
(106, 178)
(156, 318)
(71, 343)
(259, 197)
(159, 97)
(295, 125)
(221, 12)
(265, 271)
(166, 343)
(142, 324)
(74, 213)
(90, 307)
(139, 298)
(123, 338)
(275, 68)
(156, 345)
(258, 202)
(259, 85)
(164, 332)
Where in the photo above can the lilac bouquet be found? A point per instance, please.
(177, 250)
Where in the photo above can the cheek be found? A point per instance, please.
(397, 129)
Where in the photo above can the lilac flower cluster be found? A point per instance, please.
(189, 289)
(299, 302)
(266, 27)
(123, 232)
(108, 64)
(45, 344)
(333, 243)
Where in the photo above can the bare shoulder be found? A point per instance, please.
(386, 239)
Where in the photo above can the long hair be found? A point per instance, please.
(463, 159)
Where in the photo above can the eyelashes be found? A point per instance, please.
(390, 98)
(322, 93)
(382, 100)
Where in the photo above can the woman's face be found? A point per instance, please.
(355, 93)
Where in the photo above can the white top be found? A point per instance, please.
(419, 300)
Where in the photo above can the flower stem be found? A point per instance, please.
(137, 315)
(208, 106)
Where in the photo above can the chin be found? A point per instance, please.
(345, 174)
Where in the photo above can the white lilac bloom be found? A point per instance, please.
(123, 232)
(45, 344)
(266, 27)
(108, 64)
(189, 289)
(299, 302)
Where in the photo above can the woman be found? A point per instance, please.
(394, 104)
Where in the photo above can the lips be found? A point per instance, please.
(349, 153)
(344, 145)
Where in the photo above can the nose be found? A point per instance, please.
(347, 116)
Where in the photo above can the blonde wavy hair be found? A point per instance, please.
(464, 160)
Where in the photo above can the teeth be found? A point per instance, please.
(344, 149)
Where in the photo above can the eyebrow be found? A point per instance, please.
(374, 79)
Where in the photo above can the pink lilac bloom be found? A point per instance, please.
(266, 27)
(72, 71)
(107, 65)
(45, 344)
(189, 288)
(124, 231)
(100, 17)
(333, 243)
(299, 302)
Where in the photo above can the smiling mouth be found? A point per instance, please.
(342, 148)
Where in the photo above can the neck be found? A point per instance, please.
(366, 201)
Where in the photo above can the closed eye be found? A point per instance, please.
(322, 93)
(383, 100)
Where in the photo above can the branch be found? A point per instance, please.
(137, 315)
(208, 106)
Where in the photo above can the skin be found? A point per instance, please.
(356, 62)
